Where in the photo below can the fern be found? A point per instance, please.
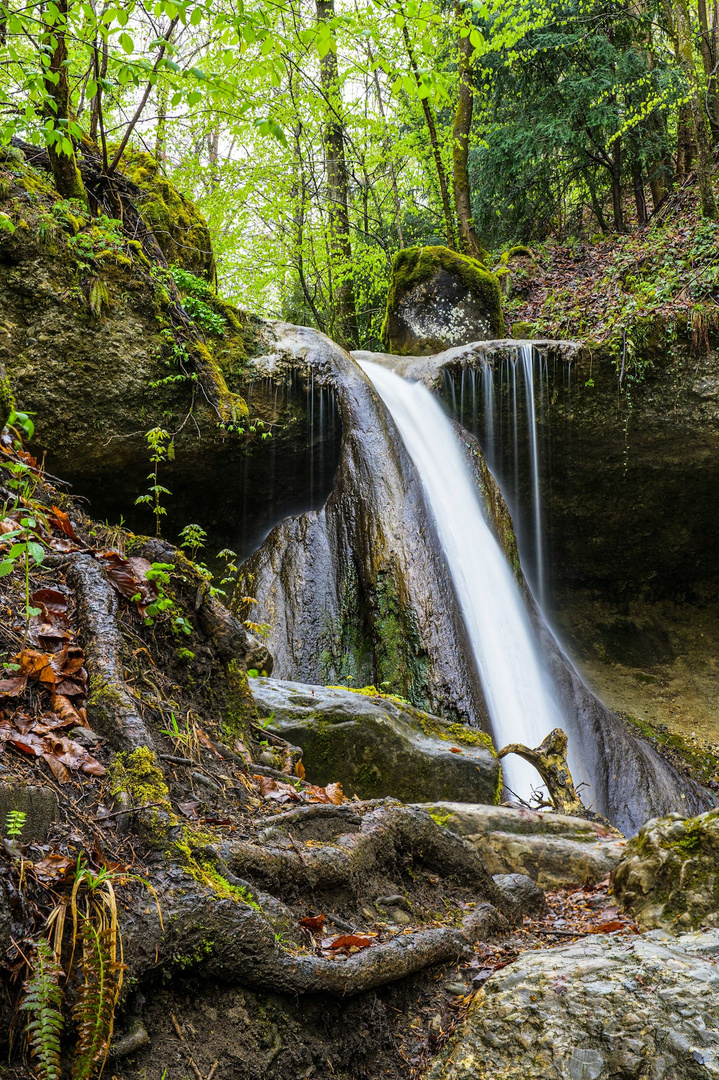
(43, 999)
(94, 1010)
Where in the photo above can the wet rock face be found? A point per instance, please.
(378, 747)
(669, 874)
(438, 299)
(555, 851)
(602, 1008)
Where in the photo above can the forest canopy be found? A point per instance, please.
(321, 138)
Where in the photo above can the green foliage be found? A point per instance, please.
(15, 823)
(193, 538)
(43, 1001)
(94, 1008)
(156, 438)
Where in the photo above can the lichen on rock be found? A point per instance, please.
(437, 299)
(669, 876)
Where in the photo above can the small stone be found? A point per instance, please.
(85, 736)
(266, 758)
(457, 988)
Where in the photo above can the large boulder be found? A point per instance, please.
(605, 1008)
(556, 851)
(377, 746)
(669, 875)
(438, 299)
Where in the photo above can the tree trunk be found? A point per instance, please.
(344, 317)
(616, 172)
(468, 239)
(639, 198)
(62, 154)
(596, 205)
(708, 45)
(683, 45)
(436, 153)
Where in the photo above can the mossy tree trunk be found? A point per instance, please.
(344, 316)
(710, 57)
(468, 239)
(681, 30)
(447, 214)
(57, 87)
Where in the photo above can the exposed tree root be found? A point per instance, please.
(386, 838)
(111, 709)
(231, 941)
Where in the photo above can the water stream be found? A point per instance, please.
(518, 691)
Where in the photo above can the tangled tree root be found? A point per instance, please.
(111, 708)
(229, 939)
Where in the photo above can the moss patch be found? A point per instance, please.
(138, 775)
(414, 265)
(179, 227)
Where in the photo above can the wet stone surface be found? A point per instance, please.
(643, 1008)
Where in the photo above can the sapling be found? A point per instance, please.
(156, 438)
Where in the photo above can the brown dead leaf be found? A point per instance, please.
(58, 770)
(189, 809)
(455, 750)
(53, 601)
(335, 794)
(315, 923)
(62, 523)
(14, 686)
(277, 790)
(66, 711)
(129, 578)
(350, 941)
(300, 770)
(53, 867)
(206, 741)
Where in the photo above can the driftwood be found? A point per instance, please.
(550, 761)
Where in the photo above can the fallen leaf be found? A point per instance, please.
(206, 741)
(54, 866)
(189, 809)
(335, 793)
(129, 578)
(62, 523)
(609, 927)
(58, 770)
(348, 941)
(300, 770)
(313, 922)
(52, 600)
(13, 686)
(455, 750)
(65, 710)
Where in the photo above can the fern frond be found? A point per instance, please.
(94, 1011)
(43, 1000)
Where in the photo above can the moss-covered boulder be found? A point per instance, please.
(438, 299)
(669, 876)
(377, 745)
(180, 229)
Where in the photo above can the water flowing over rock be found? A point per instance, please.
(602, 1008)
(360, 590)
(377, 747)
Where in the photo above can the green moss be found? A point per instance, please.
(523, 330)
(135, 248)
(7, 399)
(414, 265)
(400, 659)
(701, 762)
(180, 229)
(516, 252)
(185, 656)
(372, 691)
(205, 872)
(237, 705)
(440, 817)
(138, 775)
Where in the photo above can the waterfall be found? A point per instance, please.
(527, 355)
(517, 688)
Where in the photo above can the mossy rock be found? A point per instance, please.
(438, 299)
(180, 229)
(669, 876)
(376, 745)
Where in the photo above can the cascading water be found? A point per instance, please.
(517, 689)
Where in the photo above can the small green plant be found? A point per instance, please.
(27, 550)
(185, 738)
(193, 538)
(43, 1001)
(15, 823)
(195, 296)
(156, 439)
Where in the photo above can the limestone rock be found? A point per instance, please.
(39, 804)
(605, 1008)
(525, 891)
(438, 299)
(376, 746)
(669, 873)
(554, 850)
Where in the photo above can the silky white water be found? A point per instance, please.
(517, 689)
